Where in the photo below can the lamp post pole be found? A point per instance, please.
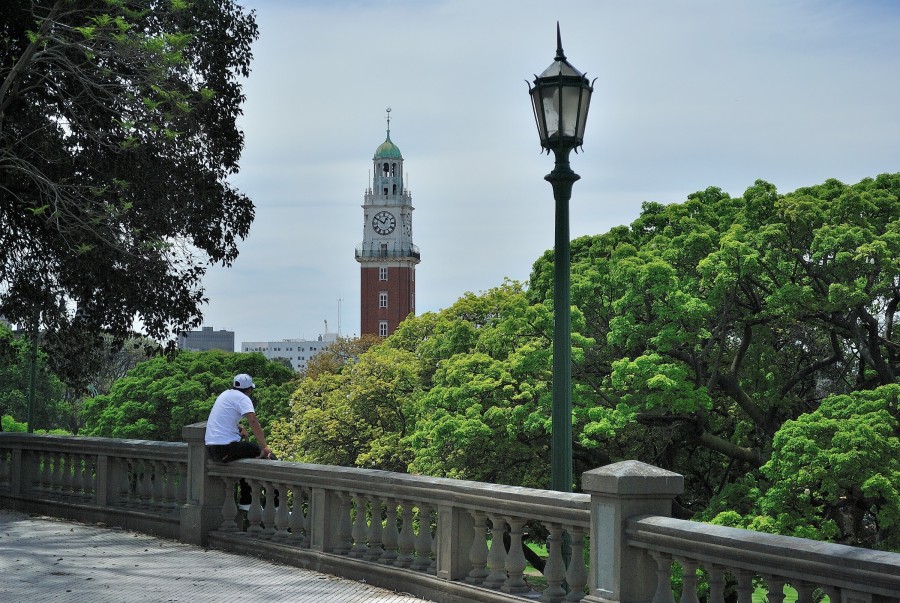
(560, 98)
(562, 178)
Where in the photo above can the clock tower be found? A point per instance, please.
(387, 256)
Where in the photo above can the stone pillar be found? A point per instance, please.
(455, 527)
(205, 495)
(621, 491)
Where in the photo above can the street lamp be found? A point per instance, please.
(560, 99)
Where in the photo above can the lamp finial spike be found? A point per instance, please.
(560, 56)
(389, 122)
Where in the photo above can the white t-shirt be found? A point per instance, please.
(222, 425)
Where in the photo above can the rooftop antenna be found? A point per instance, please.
(339, 316)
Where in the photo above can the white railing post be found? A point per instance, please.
(205, 495)
(618, 572)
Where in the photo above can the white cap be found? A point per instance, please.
(243, 381)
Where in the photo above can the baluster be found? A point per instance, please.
(358, 533)
(181, 472)
(5, 469)
(478, 552)
(229, 507)
(423, 539)
(515, 559)
(281, 514)
(78, 484)
(375, 530)
(689, 580)
(156, 484)
(171, 491)
(716, 584)
(56, 476)
(391, 535)
(407, 540)
(776, 588)
(432, 566)
(91, 478)
(296, 517)
(344, 529)
(663, 578)
(576, 574)
(268, 510)
(67, 483)
(554, 570)
(745, 585)
(255, 513)
(833, 593)
(805, 591)
(42, 467)
(496, 560)
(144, 483)
(132, 484)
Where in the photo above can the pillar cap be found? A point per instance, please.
(632, 478)
(194, 433)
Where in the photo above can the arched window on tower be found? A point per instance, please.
(393, 169)
(385, 168)
(395, 189)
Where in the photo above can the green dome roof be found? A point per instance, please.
(388, 150)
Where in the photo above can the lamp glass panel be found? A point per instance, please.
(550, 106)
(570, 97)
(582, 117)
(538, 113)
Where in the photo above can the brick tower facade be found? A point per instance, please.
(387, 256)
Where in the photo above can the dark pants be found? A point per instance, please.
(238, 450)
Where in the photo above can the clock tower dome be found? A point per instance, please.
(387, 256)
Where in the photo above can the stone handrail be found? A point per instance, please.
(432, 537)
(134, 484)
(842, 573)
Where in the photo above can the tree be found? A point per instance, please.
(355, 417)
(160, 396)
(15, 379)
(719, 319)
(833, 475)
(117, 137)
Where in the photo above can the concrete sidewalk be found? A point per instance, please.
(45, 559)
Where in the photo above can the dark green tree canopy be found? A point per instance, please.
(117, 135)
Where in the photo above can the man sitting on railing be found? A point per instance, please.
(226, 438)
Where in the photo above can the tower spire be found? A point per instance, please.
(389, 123)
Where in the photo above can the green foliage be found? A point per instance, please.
(160, 396)
(747, 343)
(15, 380)
(118, 135)
(835, 472)
(357, 417)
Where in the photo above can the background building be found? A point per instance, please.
(298, 351)
(206, 339)
(387, 255)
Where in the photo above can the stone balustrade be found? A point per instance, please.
(441, 539)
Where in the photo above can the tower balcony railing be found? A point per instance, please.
(441, 539)
(392, 252)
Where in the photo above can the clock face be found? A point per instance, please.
(384, 223)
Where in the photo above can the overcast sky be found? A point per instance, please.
(689, 94)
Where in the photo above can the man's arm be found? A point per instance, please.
(257, 430)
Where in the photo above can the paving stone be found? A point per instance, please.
(47, 559)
